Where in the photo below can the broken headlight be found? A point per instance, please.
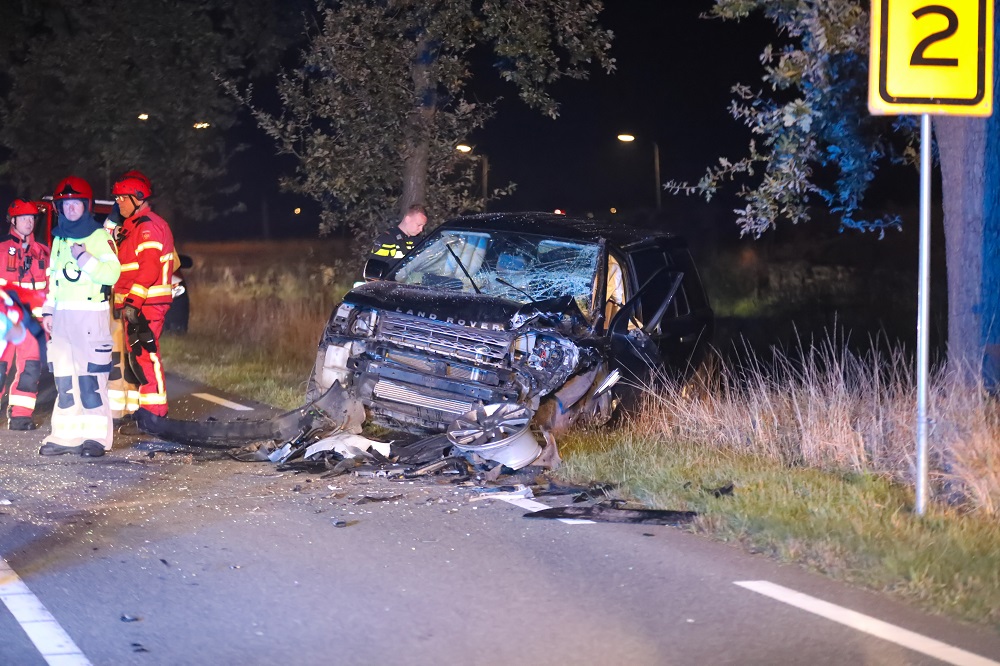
(364, 323)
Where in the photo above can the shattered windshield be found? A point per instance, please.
(517, 267)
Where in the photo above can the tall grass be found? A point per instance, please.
(257, 311)
(830, 408)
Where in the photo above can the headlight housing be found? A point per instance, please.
(364, 323)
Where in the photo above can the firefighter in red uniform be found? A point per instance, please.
(23, 265)
(143, 292)
(123, 387)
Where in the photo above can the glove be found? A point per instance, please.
(140, 337)
(76, 249)
(131, 314)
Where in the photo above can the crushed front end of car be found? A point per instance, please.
(472, 318)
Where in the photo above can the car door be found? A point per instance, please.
(634, 351)
(665, 310)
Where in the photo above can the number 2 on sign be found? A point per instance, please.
(918, 57)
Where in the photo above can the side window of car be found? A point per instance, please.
(646, 263)
(694, 292)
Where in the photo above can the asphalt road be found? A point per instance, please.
(156, 554)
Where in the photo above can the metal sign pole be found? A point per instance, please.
(923, 309)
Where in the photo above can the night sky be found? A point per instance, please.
(671, 86)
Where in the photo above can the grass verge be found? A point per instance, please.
(855, 527)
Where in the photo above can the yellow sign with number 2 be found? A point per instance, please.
(931, 56)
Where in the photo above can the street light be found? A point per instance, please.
(466, 148)
(629, 138)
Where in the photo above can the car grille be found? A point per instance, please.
(448, 340)
(389, 390)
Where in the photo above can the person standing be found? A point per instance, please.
(23, 267)
(397, 240)
(123, 386)
(76, 315)
(143, 292)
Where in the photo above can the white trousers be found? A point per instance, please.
(80, 357)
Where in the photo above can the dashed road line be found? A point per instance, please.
(867, 624)
(222, 401)
(51, 640)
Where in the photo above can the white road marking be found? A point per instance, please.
(54, 644)
(222, 401)
(532, 505)
(890, 632)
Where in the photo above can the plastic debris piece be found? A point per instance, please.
(504, 492)
(607, 514)
(139, 647)
(338, 522)
(129, 618)
(721, 491)
(6, 502)
(370, 498)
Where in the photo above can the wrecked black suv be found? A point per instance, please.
(566, 317)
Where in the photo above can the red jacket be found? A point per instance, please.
(23, 264)
(146, 253)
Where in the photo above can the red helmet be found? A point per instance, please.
(20, 207)
(133, 184)
(135, 173)
(74, 187)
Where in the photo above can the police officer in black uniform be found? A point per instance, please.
(396, 241)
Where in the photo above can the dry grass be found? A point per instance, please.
(832, 409)
(257, 311)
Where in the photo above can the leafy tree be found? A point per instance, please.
(78, 75)
(381, 97)
(811, 127)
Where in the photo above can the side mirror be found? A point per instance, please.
(375, 269)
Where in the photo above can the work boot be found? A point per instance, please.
(91, 449)
(21, 423)
(53, 449)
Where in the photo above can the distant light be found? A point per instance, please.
(614, 210)
(201, 125)
(626, 137)
(143, 116)
(297, 211)
(463, 148)
(559, 211)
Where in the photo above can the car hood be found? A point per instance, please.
(477, 310)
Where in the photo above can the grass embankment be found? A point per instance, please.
(257, 311)
(819, 450)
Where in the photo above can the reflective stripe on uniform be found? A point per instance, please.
(79, 426)
(14, 400)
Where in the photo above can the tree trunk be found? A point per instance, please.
(419, 122)
(970, 172)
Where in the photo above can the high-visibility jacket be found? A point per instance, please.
(392, 244)
(146, 253)
(83, 284)
(25, 264)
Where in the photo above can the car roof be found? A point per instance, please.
(619, 234)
